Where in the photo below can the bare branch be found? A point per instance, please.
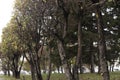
(100, 3)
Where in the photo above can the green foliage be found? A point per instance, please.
(36, 23)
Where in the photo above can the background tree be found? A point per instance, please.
(12, 47)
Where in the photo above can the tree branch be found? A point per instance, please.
(22, 62)
(100, 3)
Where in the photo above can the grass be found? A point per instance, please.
(87, 76)
(3, 77)
(6, 77)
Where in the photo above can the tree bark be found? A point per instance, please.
(92, 63)
(64, 60)
(92, 57)
(102, 45)
(38, 70)
(61, 68)
(37, 63)
(50, 67)
(17, 74)
(99, 66)
(8, 68)
(60, 43)
(15, 67)
(78, 62)
(112, 67)
(79, 54)
(33, 72)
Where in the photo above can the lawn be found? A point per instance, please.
(87, 76)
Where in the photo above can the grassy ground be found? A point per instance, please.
(87, 76)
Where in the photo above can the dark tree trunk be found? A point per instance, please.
(35, 66)
(92, 58)
(50, 69)
(8, 69)
(80, 66)
(37, 63)
(58, 69)
(15, 67)
(33, 72)
(78, 63)
(32, 64)
(38, 70)
(64, 60)
(102, 45)
(79, 54)
(5, 72)
(61, 44)
(112, 67)
(17, 74)
(99, 68)
(92, 64)
(62, 69)
(43, 65)
(8, 72)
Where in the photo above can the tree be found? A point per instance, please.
(29, 21)
(12, 47)
(68, 29)
(101, 43)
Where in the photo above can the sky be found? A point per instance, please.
(6, 8)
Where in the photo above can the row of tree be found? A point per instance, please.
(67, 33)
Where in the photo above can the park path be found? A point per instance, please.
(1, 78)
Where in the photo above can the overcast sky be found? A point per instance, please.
(6, 7)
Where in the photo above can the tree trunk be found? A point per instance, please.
(44, 66)
(80, 66)
(8, 66)
(60, 43)
(78, 63)
(49, 72)
(35, 66)
(64, 60)
(99, 68)
(92, 63)
(92, 58)
(61, 69)
(32, 72)
(17, 74)
(50, 69)
(15, 67)
(8, 69)
(58, 70)
(5, 72)
(102, 45)
(112, 67)
(36, 63)
(38, 71)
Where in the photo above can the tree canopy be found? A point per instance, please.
(65, 33)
